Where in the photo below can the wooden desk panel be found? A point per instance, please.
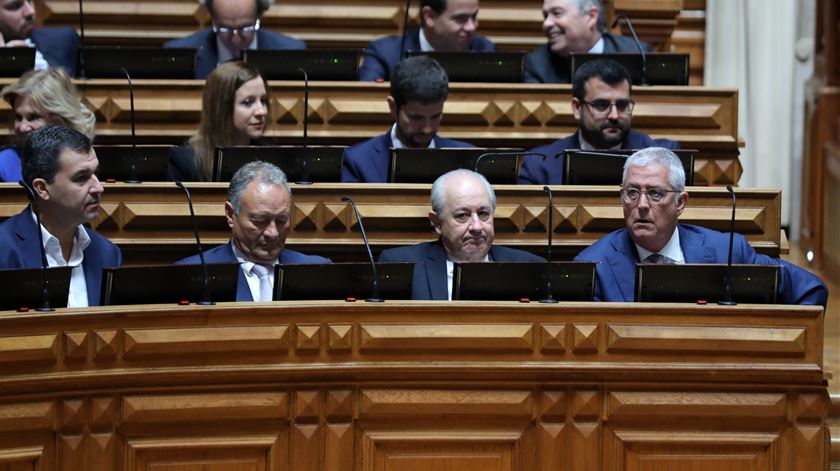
(414, 385)
(150, 222)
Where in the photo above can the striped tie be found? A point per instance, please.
(263, 272)
(659, 259)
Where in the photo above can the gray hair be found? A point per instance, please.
(256, 171)
(584, 5)
(439, 193)
(262, 5)
(658, 156)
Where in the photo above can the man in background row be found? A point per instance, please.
(445, 26)
(236, 27)
(57, 47)
(572, 26)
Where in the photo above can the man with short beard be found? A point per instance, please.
(55, 47)
(603, 106)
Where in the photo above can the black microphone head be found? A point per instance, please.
(179, 184)
(346, 199)
(616, 20)
(305, 74)
(546, 188)
(729, 189)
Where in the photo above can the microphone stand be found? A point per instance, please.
(205, 288)
(133, 173)
(304, 174)
(727, 293)
(549, 298)
(81, 73)
(638, 45)
(45, 292)
(405, 29)
(374, 290)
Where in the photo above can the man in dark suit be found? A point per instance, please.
(654, 196)
(418, 92)
(56, 47)
(603, 106)
(463, 203)
(572, 26)
(236, 27)
(258, 211)
(445, 26)
(59, 164)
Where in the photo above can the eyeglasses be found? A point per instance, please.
(224, 30)
(632, 195)
(604, 106)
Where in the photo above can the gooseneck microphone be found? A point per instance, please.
(727, 293)
(304, 174)
(549, 299)
(45, 291)
(405, 29)
(638, 44)
(205, 288)
(374, 289)
(81, 73)
(133, 172)
(505, 154)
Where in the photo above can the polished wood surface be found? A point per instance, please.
(501, 115)
(150, 221)
(414, 386)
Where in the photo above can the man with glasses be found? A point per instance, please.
(653, 195)
(235, 27)
(603, 106)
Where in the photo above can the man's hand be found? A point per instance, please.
(12, 43)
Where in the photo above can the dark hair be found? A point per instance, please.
(43, 147)
(261, 5)
(607, 70)
(420, 79)
(439, 6)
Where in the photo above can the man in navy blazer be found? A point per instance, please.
(56, 47)
(419, 89)
(258, 211)
(572, 26)
(463, 203)
(654, 196)
(59, 164)
(603, 106)
(236, 27)
(445, 26)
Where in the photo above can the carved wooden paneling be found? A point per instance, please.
(690, 338)
(399, 337)
(268, 339)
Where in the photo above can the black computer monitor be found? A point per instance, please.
(23, 287)
(319, 64)
(467, 66)
(166, 284)
(756, 284)
(324, 161)
(14, 61)
(425, 165)
(585, 167)
(337, 281)
(115, 162)
(515, 281)
(662, 68)
(140, 62)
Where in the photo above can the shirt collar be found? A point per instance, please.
(671, 250)
(244, 262)
(425, 46)
(225, 55)
(598, 48)
(396, 143)
(81, 241)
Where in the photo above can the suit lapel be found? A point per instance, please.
(693, 248)
(243, 291)
(435, 266)
(622, 265)
(26, 231)
(381, 159)
(92, 266)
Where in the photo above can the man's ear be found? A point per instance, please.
(592, 18)
(392, 107)
(682, 199)
(435, 220)
(229, 214)
(39, 186)
(428, 16)
(576, 104)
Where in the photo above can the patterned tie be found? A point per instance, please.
(659, 259)
(263, 272)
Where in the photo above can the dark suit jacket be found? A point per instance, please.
(367, 162)
(224, 254)
(59, 46)
(181, 166)
(543, 66)
(535, 171)
(617, 257)
(19, 249)
(207, 56)
(430, 265)
(383, 54)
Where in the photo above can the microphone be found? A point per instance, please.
(133, 172)
(205, 288)
(549, 299)
(727, 293)
(45, 292)
(505, 154)
(638, 44)
(374, 290)
(405, 29)
(304, 174)
(81, 73)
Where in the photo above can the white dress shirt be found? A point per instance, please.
(671, 250)
(55, 258)
(245, 265)
(396, 143)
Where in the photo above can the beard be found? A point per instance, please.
(601, 138)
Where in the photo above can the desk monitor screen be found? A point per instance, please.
(319, 64)
(338, 281)
(115, 162)
(662, 68)
(755, 284)
(140, 62)
(503, 67)
(324, 161)
(425, 165)
(14, 61)
(513, 281)
(166, 284)
(24, 288)
(582, 167)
